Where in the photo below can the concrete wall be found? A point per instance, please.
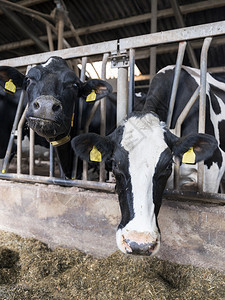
(192, 233)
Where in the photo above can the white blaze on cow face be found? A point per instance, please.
(143, 139)
(48, 62)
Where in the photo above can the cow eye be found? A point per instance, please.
(71, 85)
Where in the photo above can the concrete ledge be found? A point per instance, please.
(192, 233)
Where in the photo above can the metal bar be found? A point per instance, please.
(202, 103)
(131, 82)
(181, 23)
(75, 52)
(91, 115)
(31, 160)
(178, 133)
(19, 141)
(122, 89)
(103, 115)
(82, 78)
(153, 30)
(211, 198)
(103, 186)
(180, 56)
(13, 132)
(185, 111)
(175, 35)
(51, 158)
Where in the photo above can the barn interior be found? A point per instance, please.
(30, 27)
(26, 27)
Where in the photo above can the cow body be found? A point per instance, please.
(140, 153)
(53, 91)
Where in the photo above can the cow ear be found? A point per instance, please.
(194, 148)
(92, 147)
(95, 89)
(9, 73)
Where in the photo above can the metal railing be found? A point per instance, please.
(125, 50)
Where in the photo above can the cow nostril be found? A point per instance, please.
(36, 105)
(56, 107)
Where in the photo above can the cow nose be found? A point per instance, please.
(138, 243)
(136, 248)
(46, 105)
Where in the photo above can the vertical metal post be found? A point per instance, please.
(82, 78)
(153, 29)
(131, 82)
(51, 158)
(202, 103)
(103, 114)
(122, 91)
(180, 57)
(13, 133)
(31, 161)
(19, 141)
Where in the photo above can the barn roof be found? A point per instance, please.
(24, 25)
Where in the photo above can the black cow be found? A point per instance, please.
(53, 91)
(140, 153)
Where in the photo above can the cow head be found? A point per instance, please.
(53, 92)
(140, 154)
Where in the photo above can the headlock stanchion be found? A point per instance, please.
(122, 53)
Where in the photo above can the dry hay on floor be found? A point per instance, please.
(30, 270)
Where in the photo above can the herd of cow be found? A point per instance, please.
(139, 151)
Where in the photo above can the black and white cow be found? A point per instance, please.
(140, 153)
(158, 101)
(53, 91)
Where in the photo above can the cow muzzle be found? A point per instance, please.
(137, 243)
(46, 107)
(45, 116)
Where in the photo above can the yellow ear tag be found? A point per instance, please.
(91, 96)
(95, 155)
(189, 157)
(10, 87)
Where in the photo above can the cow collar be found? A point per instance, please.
(61, 141)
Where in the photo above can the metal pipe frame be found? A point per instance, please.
(153, 30)
(13, 133)
(19, 141)
(103, 115)
(31, 152)
(217, 28)
(173, 36)
(131, 82)
(178, 133)
(202, 103)
(102, 186)
(180, 57)
(122, 92)
(82, 78)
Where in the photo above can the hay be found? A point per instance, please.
(30, 270)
